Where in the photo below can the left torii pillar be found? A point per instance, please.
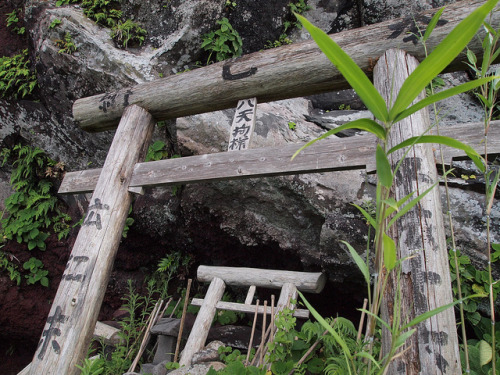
(66, 336)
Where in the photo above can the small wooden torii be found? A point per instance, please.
(289, 71)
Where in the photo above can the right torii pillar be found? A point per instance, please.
(425, 282)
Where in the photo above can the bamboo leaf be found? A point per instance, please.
(443, 95)
(327, 326)
(391, 202)
(404, 199)
(447, 141)
(359, 262)
(367, 216)
(389, 252)
(384, 171)
(410, 205)
(401, 339)
(378, 318)
(363, 124)
(432, 24)
(348, 68)
(440, 58)
(428, 314)
(392, 206)
(367, 356)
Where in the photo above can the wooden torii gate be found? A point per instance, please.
(289, 71)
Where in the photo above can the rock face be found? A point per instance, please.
(288, 222)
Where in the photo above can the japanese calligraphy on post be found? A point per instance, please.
(243, 125)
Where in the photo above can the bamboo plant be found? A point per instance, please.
(388, 211)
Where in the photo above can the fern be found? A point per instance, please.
(33, 208)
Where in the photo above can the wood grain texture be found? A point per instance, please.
(110, 335)
(425, 278)
(332, 154)
(204, 319)
(290, 71)
(242, 127)
(102, 331)
(72, 318)
(327, 155)
(250, 309)
(311, 282)
(287, 296)
(250, 294)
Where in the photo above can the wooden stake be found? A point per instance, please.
(253, 331)
(262, 342)
(260, 348)
(151, 322)
(165, 308)
(175, 307)
(272, 312)
(183, 318)
(67, 333)
(268, 335)
(309, 351)
(362, 320)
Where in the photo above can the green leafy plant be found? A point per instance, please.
(138, 308)
(281, 41)
(36, 272)
(488, 96)
(60, 3)
(56, 22)
(13, 20)
(385, 250)
(157, 151)
(280, 348)
(473, 281)
(33, 207)
(292, 125)
(17, 80)
(104, 12)
(10, 267)
(174, 263)
(436, 83)
(298, 7)
(230, 5)
(128, 32)
(226, 317)
(92, 366)
(344, 107)
(66, 45)
(228, 355)
(238, 368)
(224, 42)
(129, 221)
(481, 353)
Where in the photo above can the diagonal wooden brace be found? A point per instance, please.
(72, 318)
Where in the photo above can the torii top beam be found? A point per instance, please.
(296, 70)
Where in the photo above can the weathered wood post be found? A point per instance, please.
(203, 321)
(425, 278)
(72, 318)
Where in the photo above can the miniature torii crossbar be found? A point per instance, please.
(289, 71)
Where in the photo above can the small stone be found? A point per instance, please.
(147, 368)
(199, 369)
(209, 354)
